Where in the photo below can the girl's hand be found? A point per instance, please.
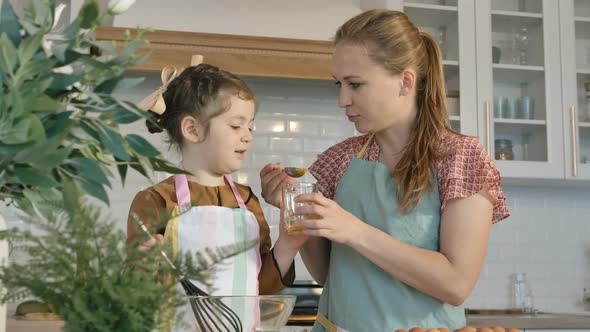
(333, 222)
(272, 179)
(159, 238)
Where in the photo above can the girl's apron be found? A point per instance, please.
(198, 227)
(359, 295)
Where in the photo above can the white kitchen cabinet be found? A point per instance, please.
(575, 66)
(452, 23)
(527, 34)
(520, 67)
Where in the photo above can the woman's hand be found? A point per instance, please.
(333, 222)
(272, 179)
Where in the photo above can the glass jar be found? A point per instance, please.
(503, 149)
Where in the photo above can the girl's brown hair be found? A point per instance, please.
(202, 91)
(395, 43)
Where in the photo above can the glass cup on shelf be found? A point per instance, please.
(520, 45)
(528, 108)
(499, 102)
(290, 217)
(512, 107)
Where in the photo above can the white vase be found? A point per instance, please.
(3, 260)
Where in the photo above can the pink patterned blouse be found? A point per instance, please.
(463, 171)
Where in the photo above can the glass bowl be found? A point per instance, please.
(254, 313)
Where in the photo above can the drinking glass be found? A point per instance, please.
(290, 191)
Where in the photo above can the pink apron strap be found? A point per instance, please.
(236, 193)
(183, 194)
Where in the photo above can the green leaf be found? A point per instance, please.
(43, 156)
(121, 116)
(71, 195)
(33, 69)
(122, 168)
(56, 123)
(94, 189)
(12, 149)
(90, 170)
(113, 142)
(43, 13)
(88, 14)
(128, 51)
(96, 64)
(36, 131)
(161, 165)
(142, 146)
(52, 160)
(34, 177)
(29, 47)
(63, 81)
(9, 22)
(45, 103)
(117, 84)
(8, 54)
(19, 132)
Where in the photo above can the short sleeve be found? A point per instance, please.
(465, 169)
(332, 163)
(147, 205)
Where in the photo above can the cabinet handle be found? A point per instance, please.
(574, 140)
(486, 107)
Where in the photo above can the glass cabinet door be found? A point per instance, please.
(451, 23)
(575, 54)
(518, 76)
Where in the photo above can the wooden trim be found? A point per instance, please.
(242, 55)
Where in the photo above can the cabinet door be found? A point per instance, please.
(451, 23)
(518, 86)
(575, 55)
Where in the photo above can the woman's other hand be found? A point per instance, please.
(272, 179)
(332, 221)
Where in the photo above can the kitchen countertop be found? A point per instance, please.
(539, 321)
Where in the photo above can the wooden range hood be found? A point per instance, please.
(242, 55)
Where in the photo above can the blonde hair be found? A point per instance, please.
(395, 43)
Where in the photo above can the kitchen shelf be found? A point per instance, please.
(585, 71)
(584, 124)
(431, 16)
(517, 73)
(451, 63)
(522, 122)
(429, 6)
(582, 19)
(243, 55)
(456, 118)
(519, 15)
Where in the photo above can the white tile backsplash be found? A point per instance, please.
(548, 235)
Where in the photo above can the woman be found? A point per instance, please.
(406, 210)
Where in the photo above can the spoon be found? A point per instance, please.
(295, 172)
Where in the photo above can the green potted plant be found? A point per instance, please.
(60, 143)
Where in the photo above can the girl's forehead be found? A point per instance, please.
(240, 108)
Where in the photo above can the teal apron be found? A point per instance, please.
(359, 295)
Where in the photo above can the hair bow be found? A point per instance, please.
(155, 101)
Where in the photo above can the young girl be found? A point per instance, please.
(209, 113)
(405, 218)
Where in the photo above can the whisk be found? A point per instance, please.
(212, 314)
